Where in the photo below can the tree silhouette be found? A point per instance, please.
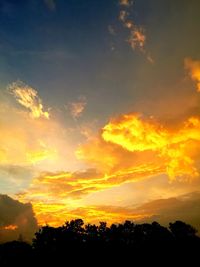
(75, 241)
(182, 230)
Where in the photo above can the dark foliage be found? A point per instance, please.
(126, 243)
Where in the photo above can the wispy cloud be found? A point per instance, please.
(137, 37)
(193, 67)
(28, 97)
(76, 108)
(123, 15)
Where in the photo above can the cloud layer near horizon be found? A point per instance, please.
(133, 149)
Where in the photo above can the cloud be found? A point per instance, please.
(76, 108)
(134, 148)
(16, 218)
(126, 3)
(28, 97)
(60, 185)
(15, 177)
(136, 134)
(123, 15)
(110, 214)
(139, 146)
(184, 207)
(55, 195)
(36, 143)
(24, 140)
(137, 37)
(51, 4)
(193, 67)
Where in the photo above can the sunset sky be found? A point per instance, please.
(99, 111)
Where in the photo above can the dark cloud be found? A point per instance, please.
(185, 208)
(16, 219)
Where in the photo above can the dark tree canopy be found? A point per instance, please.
(76, 241)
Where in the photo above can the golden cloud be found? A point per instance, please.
(193, 66)
(54, 196)
(28, 97)
(134, 144)
(183, 207)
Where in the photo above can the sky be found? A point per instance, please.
(99, 111)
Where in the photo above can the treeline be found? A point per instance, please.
(97, 244)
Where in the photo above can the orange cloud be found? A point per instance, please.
(193, 67)
(28, 97)
(126, 3)
(137, 38)
(9, 227)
